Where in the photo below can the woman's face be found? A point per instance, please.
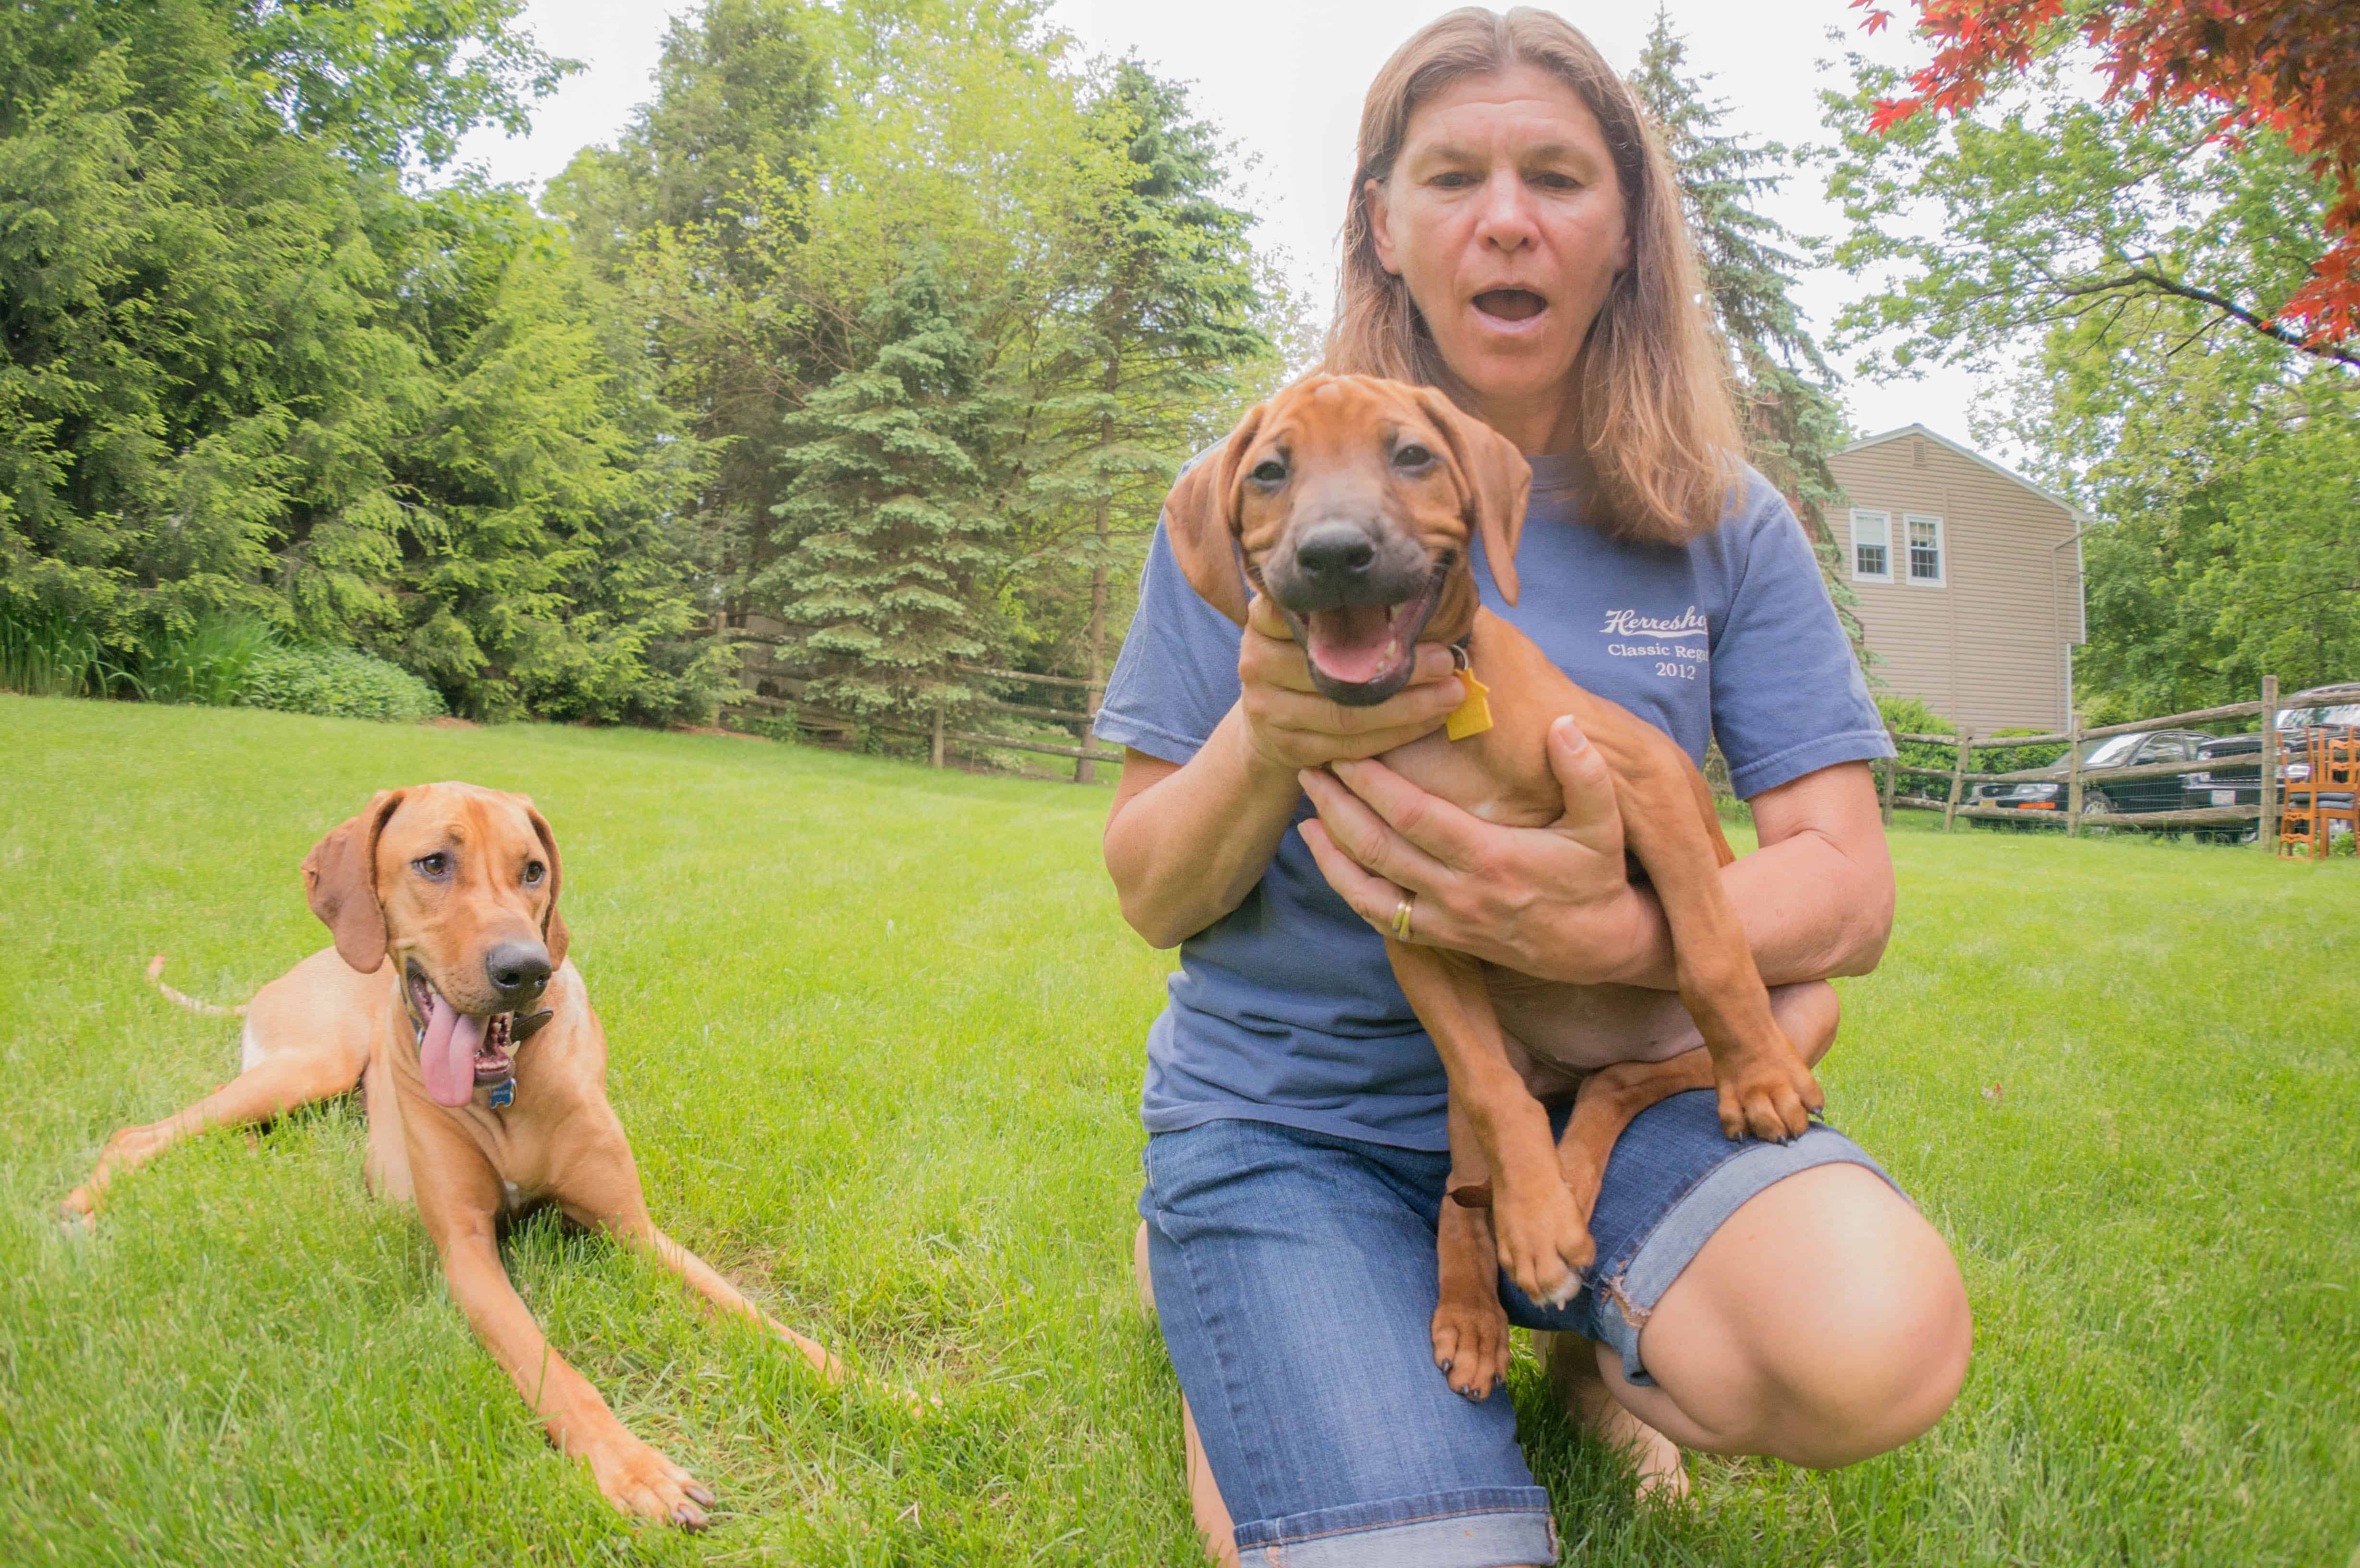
(1504, 216)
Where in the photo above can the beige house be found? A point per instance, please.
(1969, 577)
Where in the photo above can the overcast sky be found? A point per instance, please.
(1284, 80)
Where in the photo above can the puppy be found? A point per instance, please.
(1349, 503)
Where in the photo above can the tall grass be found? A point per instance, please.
(45, 653)
(207, 663)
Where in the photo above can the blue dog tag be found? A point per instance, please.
(503, 1094)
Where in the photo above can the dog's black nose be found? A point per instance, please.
(517, 970)
(1334, 554)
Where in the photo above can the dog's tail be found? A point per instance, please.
(156, 974)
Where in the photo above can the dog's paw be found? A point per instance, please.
(1544, 1243)
(1771, 1095)
(1470, 1343)
(641, 1482)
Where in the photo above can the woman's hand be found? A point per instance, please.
(1291, 726)
(1556, 903)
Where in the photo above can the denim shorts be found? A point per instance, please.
(1294, 1279)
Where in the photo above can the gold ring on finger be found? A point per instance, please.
(1404, 913)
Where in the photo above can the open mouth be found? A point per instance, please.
(456, 1050)
(1362, 654)
(1511, 304)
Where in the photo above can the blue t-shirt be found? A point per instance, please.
(1285, 1010)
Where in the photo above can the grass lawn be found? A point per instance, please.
(877, 1039)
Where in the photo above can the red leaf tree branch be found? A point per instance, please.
(2291, 66)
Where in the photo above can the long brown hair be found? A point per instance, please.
(1658, 434)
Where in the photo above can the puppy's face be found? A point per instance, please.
(1350, 503)
(459, 886)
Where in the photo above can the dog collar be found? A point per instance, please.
(521, 1028)
(1473, 716)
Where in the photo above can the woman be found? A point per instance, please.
(1515, 238)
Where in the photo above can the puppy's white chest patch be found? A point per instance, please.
(512, 1195)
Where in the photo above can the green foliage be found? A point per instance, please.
(207, 662)
(1070, 220)
(337, 683)
(1117, 388)
(44, 653)
(885, 533)
(251, 376)
(2112, 274)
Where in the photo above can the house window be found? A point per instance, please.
(1925, 550)
(1872, 545)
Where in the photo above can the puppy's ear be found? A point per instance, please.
(1493, 478)
(340, 880)
(1200, 519)
(553, 934)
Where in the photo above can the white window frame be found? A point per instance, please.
(1908, 572)
(1884, 520)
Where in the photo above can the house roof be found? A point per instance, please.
(2079, 516)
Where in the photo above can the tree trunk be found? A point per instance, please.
(1086, 770)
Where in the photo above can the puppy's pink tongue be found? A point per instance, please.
(447, 1055)
(1353, 644)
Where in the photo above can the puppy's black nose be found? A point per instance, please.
(517, 970)
(1334, 554)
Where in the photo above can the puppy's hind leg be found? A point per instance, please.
(271, 1088)
(1470, 1326)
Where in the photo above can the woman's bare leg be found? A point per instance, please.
(1824, 1323)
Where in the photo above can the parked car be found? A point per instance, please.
(2046, 792)
(2322, 707)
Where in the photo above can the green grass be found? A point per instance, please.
(876, 1036)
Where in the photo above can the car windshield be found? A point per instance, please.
(2106, 752)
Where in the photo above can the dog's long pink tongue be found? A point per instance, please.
(447, 1055)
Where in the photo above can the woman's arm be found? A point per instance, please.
(1186, 844)
(1816, 899)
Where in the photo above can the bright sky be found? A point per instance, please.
(1284, 80)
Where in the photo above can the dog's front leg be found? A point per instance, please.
(458, 1196)
(1543, 1243)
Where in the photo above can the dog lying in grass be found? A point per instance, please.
(446, 996)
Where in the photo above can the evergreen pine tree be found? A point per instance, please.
(1165, 299)
(1785, 388)
(888, 547)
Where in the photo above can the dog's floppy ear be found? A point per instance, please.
(1200, 519)
(1494, 477)
(340, 880)
(553, 934)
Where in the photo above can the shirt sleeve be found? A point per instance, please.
(1787, 694)
(1177, 674)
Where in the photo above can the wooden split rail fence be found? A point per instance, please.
(941, 740)
(2077, 779)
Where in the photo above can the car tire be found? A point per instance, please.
(2095, 800)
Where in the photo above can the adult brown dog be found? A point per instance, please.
(1349, 502)
(483, 1072)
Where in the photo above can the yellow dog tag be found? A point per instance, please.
(1473, 716)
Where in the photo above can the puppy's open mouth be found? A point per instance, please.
(1362, 654)
(456, 1050)
(1511, 304)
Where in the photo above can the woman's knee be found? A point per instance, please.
(1825, 1322)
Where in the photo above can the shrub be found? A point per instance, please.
(336, 683)
(45, 653)
(205, 664)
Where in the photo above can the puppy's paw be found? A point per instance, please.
(1544, 1243)
(1770, 1095)
(641, 1482)
(1470, 1342)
